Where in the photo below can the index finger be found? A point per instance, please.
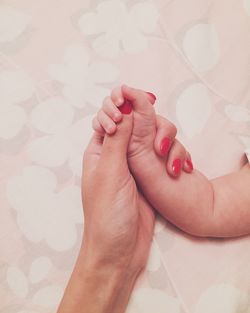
(118, 97)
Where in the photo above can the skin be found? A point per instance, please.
(118, 229)
(119, 221)
(201, 207)
(109, 115)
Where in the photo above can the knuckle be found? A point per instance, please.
(140, 95)
(178, 145)
(182, 151)
(106, 100)
(111, 106)
(139, 92)
(173, 128)
(115, 92)
(169, 126)
(107, 123)
(106, 107)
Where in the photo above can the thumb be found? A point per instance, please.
(140, 99)
(92, 153)
(115, 146)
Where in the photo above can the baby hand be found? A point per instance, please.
(149, 131)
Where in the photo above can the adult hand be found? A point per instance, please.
(118, 229)
(118, 220)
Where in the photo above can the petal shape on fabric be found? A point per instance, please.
(16, 86)
(39, 269)
(51, 151)
(12, 120)
(202, 47)
(52, 116)
(145, 16)
(12, 23)
(48, 297)
(223, 298)
(17, 281)
(193, 109)
(237, 113)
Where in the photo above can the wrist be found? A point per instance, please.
(145, 164)
(96, 287)
(108, 285)
(93, 266)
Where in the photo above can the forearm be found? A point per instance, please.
(232, 203)
(186, 201)
(97, 288)
(216, 208)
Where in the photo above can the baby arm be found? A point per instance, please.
(201, 207)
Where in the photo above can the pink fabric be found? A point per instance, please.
(57, 62)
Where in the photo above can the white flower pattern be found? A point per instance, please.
(16, 87)
(198, 70)
(63, 139)
(43, 213)
(48, 296)
(240, 114)
(193, 109)
(118, 24)
(81, 80)
(223, 298)
(148, 300)
(201, 46)
(12, 24)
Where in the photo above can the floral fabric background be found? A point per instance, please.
(58, 60)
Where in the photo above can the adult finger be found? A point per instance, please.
(176, 159)
(166, 132)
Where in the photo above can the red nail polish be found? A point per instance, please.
(152, 96)
(189, 164)
(165, 145)
(126, 107)
(177, 166)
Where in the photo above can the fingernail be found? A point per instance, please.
(177, 166)
(189, 164)
(165, 145)
(126, 108)
(152, 96)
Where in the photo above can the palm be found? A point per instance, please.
(145, 230)
(143, 133)
(136, 223)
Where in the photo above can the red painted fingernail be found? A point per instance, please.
(177, 166)
(189, 164)
(126, 107)
(152, 96)
(165, 145)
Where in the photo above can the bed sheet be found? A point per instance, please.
(58, 60)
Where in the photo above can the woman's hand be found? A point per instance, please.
(118, 220)
(118, 228)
